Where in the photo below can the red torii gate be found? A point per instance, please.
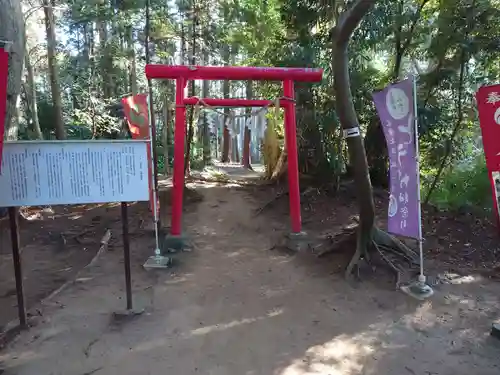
(182, 74)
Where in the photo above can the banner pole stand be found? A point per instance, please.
(419, 289)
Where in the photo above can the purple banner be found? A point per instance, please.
(395, 107)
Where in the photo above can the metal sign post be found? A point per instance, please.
(16, 259)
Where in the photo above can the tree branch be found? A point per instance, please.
(464, 58)
(414, 25)
(401, 48)
(350, 19)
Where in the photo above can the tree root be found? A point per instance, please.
(381, 243)
(389, 263)
(388, 241)
(361, 249)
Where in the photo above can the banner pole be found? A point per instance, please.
(156, 261)
(153, 179)
(421, 277)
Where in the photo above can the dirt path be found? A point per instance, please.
(234, 307)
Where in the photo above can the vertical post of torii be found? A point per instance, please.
(182, 74)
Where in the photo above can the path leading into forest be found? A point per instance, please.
(234, 307)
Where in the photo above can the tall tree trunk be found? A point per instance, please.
(226, 138)
(348, 22)
(235, 151)
(106, 60)
(133, 61)
(53, 69)
(245, 160)
(191, 119)
(31, 96)
(165, 135)
(206, 129)
(226, 55)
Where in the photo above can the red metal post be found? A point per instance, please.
(178, 175)
(293, 160)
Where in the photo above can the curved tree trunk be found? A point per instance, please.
(369, 236)
(348, 22)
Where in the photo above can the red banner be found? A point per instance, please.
(137, 114)
(488, 104)
(4, 73)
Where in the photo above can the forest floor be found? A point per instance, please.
(239, 303)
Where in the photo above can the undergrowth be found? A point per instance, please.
(463, 187)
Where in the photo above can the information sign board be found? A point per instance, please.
(36, 173)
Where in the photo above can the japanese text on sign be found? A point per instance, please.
(73, 172)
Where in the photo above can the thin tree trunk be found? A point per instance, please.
(53, 69)
(206, 129)
(245, 160)
(226, 138)
(106, 61)
(133, 61)
(183, 43)
(235, 151)
(226, 55)
(166, 123)
(32, 96)
(190, 133)
(460, 110)
(449, 143)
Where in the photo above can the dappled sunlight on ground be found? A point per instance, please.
(234, 323)
(343, 355)
(457, 279)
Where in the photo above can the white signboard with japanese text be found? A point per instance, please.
(36, 173)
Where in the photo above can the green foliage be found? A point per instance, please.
(104, 42)
(463, 187)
